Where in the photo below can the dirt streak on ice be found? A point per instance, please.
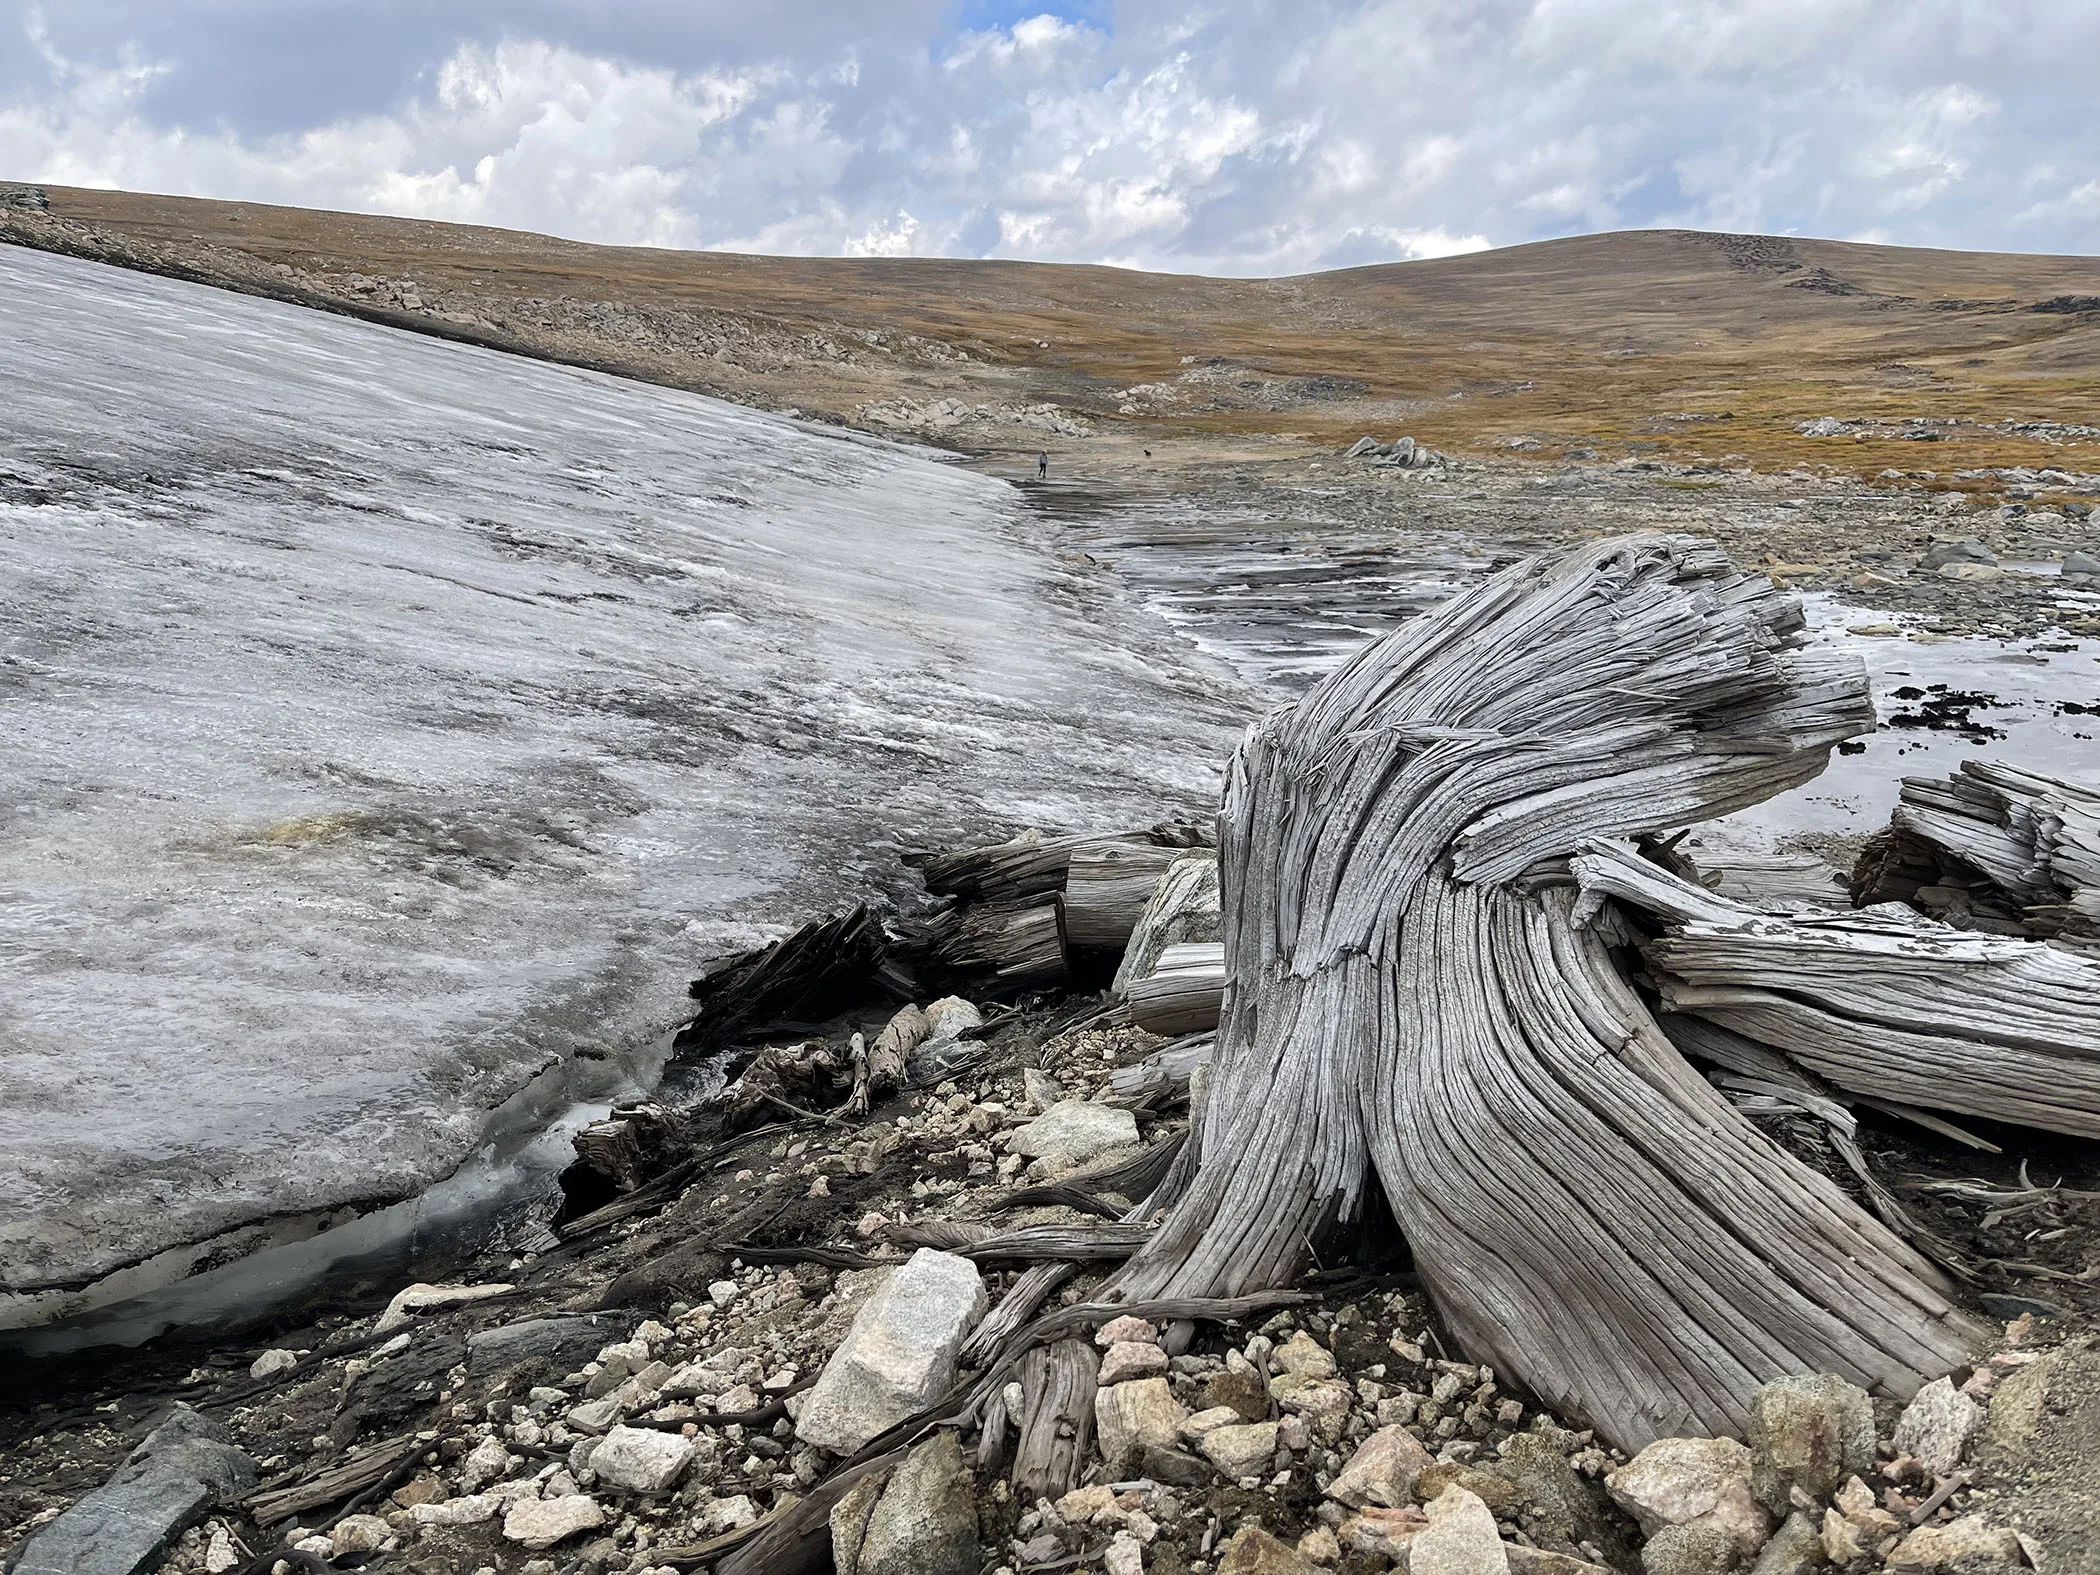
(387, 720)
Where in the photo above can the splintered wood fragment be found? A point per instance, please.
(1890, 1005)
(943, 1235)
(1056, 1420)
(1095, 1242)
(1170, 1068)
(811, 975)
(999, 1326)
(633, 1143)
(1010, 946)
(1993, 848)
(878, 1069)
(1033, 865)
(1184, 993)
(273, 1503)
(1411, 1008)
(1107, 888)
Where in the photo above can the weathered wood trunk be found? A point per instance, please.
(1106, 889)
(1183, 994)
(1033, 865)
(1056, 1420)
(1010, 946)
(1412, 1005)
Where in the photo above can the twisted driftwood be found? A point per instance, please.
(1407, 1002)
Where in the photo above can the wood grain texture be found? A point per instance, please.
(1887, 1004)
(1107, 888)
(1408, 1005)
(1056, 1420)
(1993, 848)
(1183, 993)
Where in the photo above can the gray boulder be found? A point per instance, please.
(925, 1523)
(1185, 907)
(183, 1468)
(641, 1459)
(1796, 1548)
(849, 1521)
(2081, 565)
(900, 1354)
(1072, 1131)
(1565, 1509)
(1969, 550)
(1811, 1431)
(2040, 1452)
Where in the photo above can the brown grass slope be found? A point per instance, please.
(1669, 342)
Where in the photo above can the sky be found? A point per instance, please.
(1265, 137)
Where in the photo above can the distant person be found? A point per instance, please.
(1042, 467)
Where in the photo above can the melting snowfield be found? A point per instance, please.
(387, 721)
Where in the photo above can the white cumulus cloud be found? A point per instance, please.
(1172, 134)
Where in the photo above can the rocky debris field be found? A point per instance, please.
(741, 1301)
(1931, 557)
(524, 1419)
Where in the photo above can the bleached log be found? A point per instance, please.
(1011, 947)
(1033, 865)
(879, 1068)
(1589, 1214)
(1994, 848)
(1183, 908)
(1028, 1292)
(1096, 1241)
(1107, 888)
(1886, 1003)
(1183, 994)
(1765, 879)
(1168, 1070)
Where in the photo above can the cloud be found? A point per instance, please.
(1178, 134)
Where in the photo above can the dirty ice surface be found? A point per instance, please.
(1279, 601)
(386, 720)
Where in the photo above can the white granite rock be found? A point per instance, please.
(542, 1522)
(899, 1355)
(1242, 1450)
(485, 1463)
(1131, 1359)
(1936, 1426)
(641, 1459)
(272, 1363)
(358, 1534)
(1383, 1471)
(1687, 1481)
(1460, 1538)
(1072, 1131)
(1131, 1417)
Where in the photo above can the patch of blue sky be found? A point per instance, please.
(983, 16)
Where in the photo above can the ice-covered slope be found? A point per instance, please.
(381, 719)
